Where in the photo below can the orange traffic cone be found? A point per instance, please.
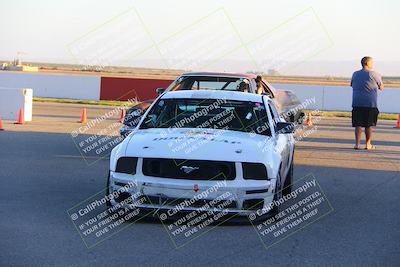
(123, 113)
(309, 120)
(398, 123)
(1, 125)
(21, 119)
(83, 116)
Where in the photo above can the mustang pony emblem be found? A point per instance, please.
(188, 169)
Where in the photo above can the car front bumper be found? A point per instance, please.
(173, 196)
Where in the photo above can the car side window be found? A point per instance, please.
(274, 112)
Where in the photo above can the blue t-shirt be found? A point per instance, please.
(365, 84)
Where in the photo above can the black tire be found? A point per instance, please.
(275, 209)
(287, 187)
(277, 195)
(108, 203)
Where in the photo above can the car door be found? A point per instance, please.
(282, 99)
(268, 89)
(283, 141)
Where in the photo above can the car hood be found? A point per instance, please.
(208, 144)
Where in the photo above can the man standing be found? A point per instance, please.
(365, 83)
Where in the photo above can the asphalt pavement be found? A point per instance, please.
(43, 175)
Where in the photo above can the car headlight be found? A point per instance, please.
(126, 165)
(254, 171)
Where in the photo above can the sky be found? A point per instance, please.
(291, 36)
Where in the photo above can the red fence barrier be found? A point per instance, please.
(112, 88)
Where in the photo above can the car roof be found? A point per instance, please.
(212, 94)
(222, 74)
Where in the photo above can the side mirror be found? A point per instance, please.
(285, 128)
(133, 117)
(159, 91)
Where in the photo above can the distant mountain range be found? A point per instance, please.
(341, 68)
(308, 68)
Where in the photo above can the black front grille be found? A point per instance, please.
(253, 204)
(123, 196)
(189, 169)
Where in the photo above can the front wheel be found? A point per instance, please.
(108, 203)
(287, 187)
(277, 195)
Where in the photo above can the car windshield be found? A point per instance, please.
(244, 116)
(210, 83)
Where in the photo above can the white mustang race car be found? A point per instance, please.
(201, 151)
